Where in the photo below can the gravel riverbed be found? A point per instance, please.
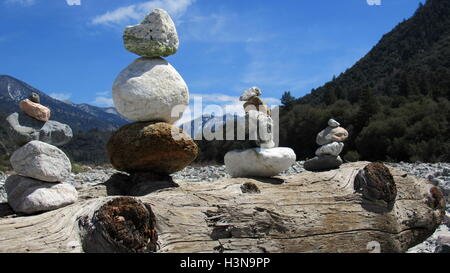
(438, 174)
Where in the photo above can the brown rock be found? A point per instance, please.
(330, 134)
(151, 147)
(35, 110)
(256, 103)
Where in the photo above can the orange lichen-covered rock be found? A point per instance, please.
(35, 110)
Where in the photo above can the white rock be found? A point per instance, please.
(333, 123)
(259, 162)
(333, 148)
(27, 195)
(148, 90)
(41, 161)
(253, 91)
(155, 36)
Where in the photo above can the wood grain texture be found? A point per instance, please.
(308, 212)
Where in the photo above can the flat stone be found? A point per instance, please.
(259, 162)
(27, 195)
(35, 110)
(333, 123)
(148, 90)
(331, 134)
(151, 147)
(323, 163)
(155, 36)
(41, 161)
(333, 148)
(23, 129)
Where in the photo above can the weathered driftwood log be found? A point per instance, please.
(357, 208)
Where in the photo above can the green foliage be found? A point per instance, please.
(78, 168)
(287, 99)
(352, 156)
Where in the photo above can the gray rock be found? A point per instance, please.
(27, 195)
(323, 163)
(331, 134)
(155, 36)
(251, 92)
(23, 129)
(34, 98)
(41, 161)
(333, 123)
(443, 244)
(333, 148)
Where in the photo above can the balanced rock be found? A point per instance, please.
(323, 163)
(34, 98)
(27, 195)
(23, 129)
(151, 147)
(35, 110)
(259, 162)
(256, 103)
(41, 161)
(148, 90)
(333, 123)
(333, 148)
(330, 134)
(155, 36)
(249, 93)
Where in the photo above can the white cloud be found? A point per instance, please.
(73, 2)
(103, 101)
(137, 12)
(25, 3)
(61, 96)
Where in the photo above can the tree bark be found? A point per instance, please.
(360, 207)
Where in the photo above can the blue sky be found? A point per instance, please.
(73, 49)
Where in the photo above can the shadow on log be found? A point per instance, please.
(360, 207)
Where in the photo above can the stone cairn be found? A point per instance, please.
(40, 166)
(331, 144)
(146, 92)
(263, 160)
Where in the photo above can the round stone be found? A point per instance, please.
(34, 97)
(331, 134)
(151, 147)
(150, 90)
(155, 36)
(27, 195)
(333, 123)
(41, 161)
(259, 162)
(323, 163)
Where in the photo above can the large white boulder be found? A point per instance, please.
(259, 162)
(41, 161)
(148, 90)
(155, 36)
(27, 195)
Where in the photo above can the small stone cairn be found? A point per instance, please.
(263, 160)
(40, 166)
(148, 91)
(331, 144)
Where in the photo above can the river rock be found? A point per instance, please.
(34, 98)
(443, 244)
(35, 110)
(155, 36)
(249, 93)
(256, 103)
(151, 147)
(331, 134)
(41, 161)
(27, 195)
(23, 129)
(148, 90)
(323, 163)
(333, 148)
(333, 123)
(259, 162)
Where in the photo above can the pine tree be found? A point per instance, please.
(287, 99)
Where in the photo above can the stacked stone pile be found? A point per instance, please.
(331, 144)
(151, 92)
(263, 160)
(40, 166)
